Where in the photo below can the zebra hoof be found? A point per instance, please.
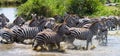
(61, 50)
(83, 48)
(93, 47)
(33, 48)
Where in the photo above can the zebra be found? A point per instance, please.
(3, 20)
(51, 37)
(6, 35)
(84, 33)
(3, 16)
(102, 32)
(18, 21)
(71, 20)
(114, 20)
(30, 32)
(110, 24)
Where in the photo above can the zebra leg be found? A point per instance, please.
(87, 44)
(50, 47)
(106, 41)
(60, 48)
(35, 45)
(58, 45)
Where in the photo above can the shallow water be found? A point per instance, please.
(112, 49)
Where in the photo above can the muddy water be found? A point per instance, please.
(112, 49)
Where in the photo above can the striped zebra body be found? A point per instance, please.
(83, 33)
(27, 32)
(23, 33)
(50, 37)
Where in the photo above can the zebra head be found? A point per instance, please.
(19, 21)
(50, 23)
(71, 20)
(37, 21)
(4, 17)
(63, 29)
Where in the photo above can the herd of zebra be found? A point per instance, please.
(50, 32)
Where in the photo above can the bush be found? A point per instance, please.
(46, 8)
(50, 8)
(85, 7)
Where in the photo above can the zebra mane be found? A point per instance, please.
(93, 24)
(31, 22)
(55, 27)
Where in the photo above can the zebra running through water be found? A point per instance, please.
(51, 37)
(30, 32)
(103, 32)
(84, 33)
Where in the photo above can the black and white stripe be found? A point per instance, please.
(29, 32)
(84, 33)
(50, 37)
(6, 35)
(71, 20)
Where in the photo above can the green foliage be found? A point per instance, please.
(50, 8)
(85, 7)
(44, 7)
(107, 10)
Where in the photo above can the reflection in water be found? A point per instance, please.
(9, 13)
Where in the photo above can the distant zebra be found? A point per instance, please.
(51, 37)
(84, 33)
